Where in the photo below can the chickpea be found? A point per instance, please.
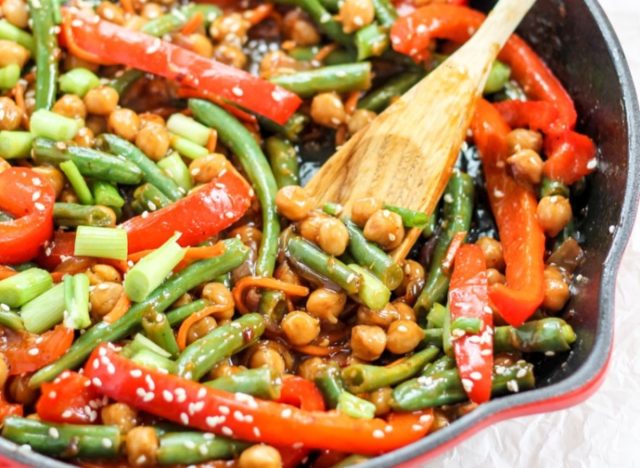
(152, 11)
(111, 12)
(403, 336)
(97, 124)
(121, 415)
(154, 141)
(293, 203)
(101, 100)
(103, 298)
(440, 420)
(355, 14)
(310, 368)
(16, 13)
(326, 304)
(368, 342)
(124, 123)
(327, 110)
(385, 228)
(382, 399)
(10, 114)
(84, 137)
(100, 273)
(522, 139)
(556, 289)
(413, 275)
(19, 390)
(223, 369)
(70, 106)
(363, 209)
(185, 299)
(299, 29)
(495, 277)
(492, 250)
(230, 28)
(380, 318)
(277, 62)
(147, 118)
(201, 328)
(554, 213)
(360, 119)
(197, 43)
(142, 444)
(4, 371)
(405, 311)
(203, 170)
(260, 456)
(300, 328)
(265, 356)
(309, 227)
(68, 196)
(230, 55)
(53, 176)
(218, 294)
(333, 237)
(526, 166)
(13, 53)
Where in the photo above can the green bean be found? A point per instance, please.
(284, 161)
(371, 41)
(439, 365)
(157, 328)
(9, 32)
(378, 99)
(148, 197)
(372, 292)
(332, 209)
(260, 382)
(9, 76)
(338, 78)
(410, 218)
(436, 316)
(197, 273)
(174, 20)
(148, 358)
(238, 139)
(273, 305)
(46, 49)
(355, 407)
(467, 324)
(72, 215)
(386, 13)
(11, 320)
(200, 356)
(106, 194)
(123, 82)
(457, 213)
(329, 381)
(290, 130)
(331, 5)
(190, 448)
(545, 335)
(150, 172)
(550, 187)
(177, 315)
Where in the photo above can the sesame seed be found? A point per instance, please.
(33, 351)
(467, 384)
(286, 413)
(297, 445)
(549, 353)
(148, 397)
(167, 395)
(106, 443)
(378, 434)
(476, 375)
(190, 444)
(203, 450)
(141, 460)
(256, 432)
(135, 373)
(202, 393)
(512, 385)
(150, 382)
(53, 432)
(227, 431)
(66, 414)
(236, 90)
(521, 373)
(224, 409)
(141, 392)
(52, 394)
(184, 418)
(417, 427)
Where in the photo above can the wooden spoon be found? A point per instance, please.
(406, 155)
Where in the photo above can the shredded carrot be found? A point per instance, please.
(194, 254)
(18, 94)
(315, 350)
(212, 142)
(352, 102)
(268, 283)
(288, 45)
(127, 6)
(137, 256)
(74, 48)
(456, 242)
(6, 272)
(186, 92)
(121, 308)
(324, 52)
(258, 14)
(57, 276)
(341, 135)
(194, 318)
(193, 24)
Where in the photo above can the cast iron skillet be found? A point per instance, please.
(578, 43)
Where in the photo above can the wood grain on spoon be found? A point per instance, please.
(406, 155)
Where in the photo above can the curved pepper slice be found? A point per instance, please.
(469, 297)
(244, 417)
(514, 208)
(29, 198)
(70, 398)
(570, 156)
(536, 115)
(28, 352)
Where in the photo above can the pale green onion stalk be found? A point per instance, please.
(188, 128)
(101, 242)
(19, 289)
(76, 299)
(174, 167)
(45, 311)
(79, 81)
(54, 126)
(187, 148)
(355, 407)
(15, 144)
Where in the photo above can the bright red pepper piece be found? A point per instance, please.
(570, 156)
(469, 297)
(116, 44)
(29, 198)
(514, 208)
(536, 115)
(199, 216)
(247, 418)
(28, 352)
(9, 409)
(70, 398)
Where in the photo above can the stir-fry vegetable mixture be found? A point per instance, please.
(169, 294)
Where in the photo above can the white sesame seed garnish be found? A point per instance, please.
(476, 375)
(148, 397)
(202, 393)
(378, 434)
(512, 385)
(521, 373)
(549, 353)
(417, 427)
(66, 414)
(236, 90)
(184, 418)
(286, 413)
(53, 432)
(150, 382)
(224, 409)
(256, 432)
(467, 384)
(106, 443)
(52, 394)
(33, 351)
(167, 395)
(227, 431)
(135, 373)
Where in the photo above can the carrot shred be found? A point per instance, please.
(57, 276)
(341, 135)
(75, 49)
(324, 52)
(352, 102)
(315, 350)
(186, 92)
(121, 308)
(194, 318)
(127, 6)
(268, 283)
(6, 272)
(194, 254)
(212, 142)
(18, 94)
(456, 242)
(193, 24)
(258, 14)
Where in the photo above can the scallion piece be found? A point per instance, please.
(187, 148)
(188, 128)
(54, 126)
(175, 168)
(148, 358)
(436, 316)
(19, 289)
(355, 407)
(79, 81)
(106, 194)
(9, 76)
(498, 77)
(11, 320)
(15, 144)
(151, 271)
(12, 33)
(372, 293)
(371, 41)
(101, 242)
(77, 182)
(410, 218)
(45, 311)
(76, 299)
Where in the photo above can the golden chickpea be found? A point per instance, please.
(218, 294)
(223, 369)
(68, 196)
(260, 456)
(201, 328)
(277, 62)
(327, 110)
(403, 336)
(148, 118)
(96, 123)
(10, 114)
(154, 141)
(382, 399)
(185, 299)
(231, 28)
(495, 277)
(405, 311)
(142, 445)
(230, 55)
(70, 106)
(16, 13)
(124, 123)
(152, 11)
(363, 209)
(309, 228)
(355, 14)
(53, 176)
(300, 328)
(13, 53)
(526, 166)
(111, 12)
(121, 415)
(333, 237)
(85, 138)
(101, 100)
(19, 390)
(492, 250)
(326, 304)
(554, 213)
(556, 289)
(413, 277)
(385, 228)
(100, 273)
(4, 371)
(197, 43)
(368, 342)
(203, 170)
(103, 298)
(380, 318)
(285, 273)
(522, 139)
(293, 203)
(360, 119)
(310, 368)
(298, 28)
(265, 356)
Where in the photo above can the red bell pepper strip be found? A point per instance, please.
(244, 417)
(28, 352)
(536, 115)
(514, 208)
(115, 44)
(199, 216)
(9, 409)
(469, 297)
(570, 156)
(70, 398)
(29, 198)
